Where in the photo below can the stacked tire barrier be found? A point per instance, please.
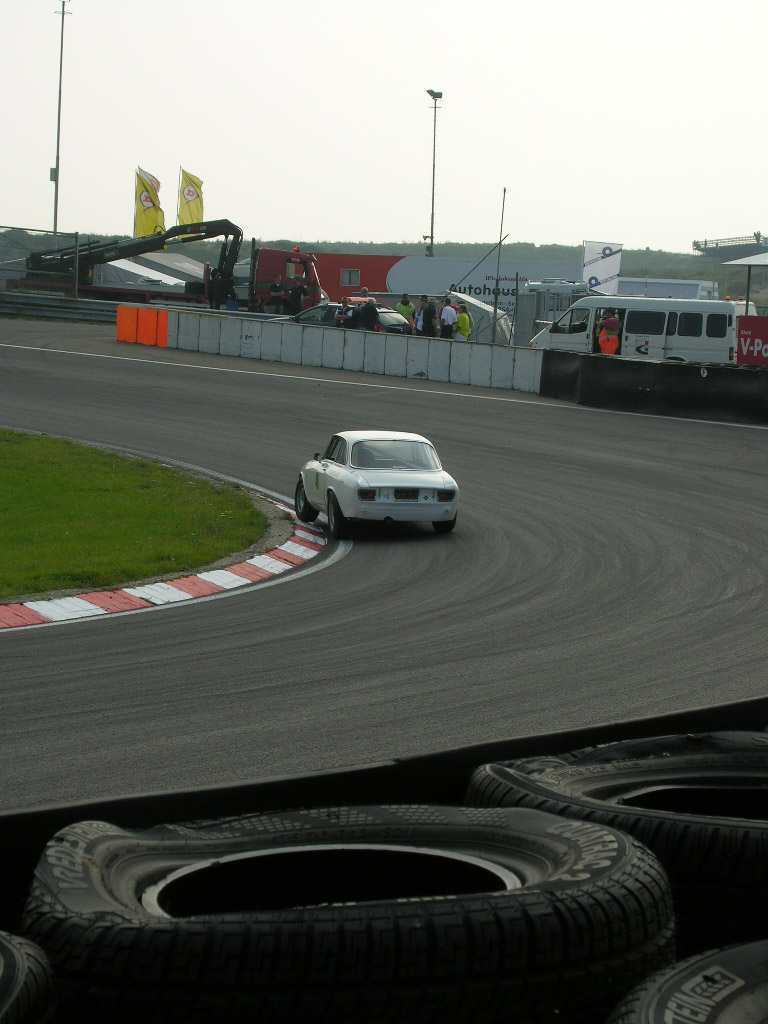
(404, 913)
(669, 388)
(620, 884)
(699, 802)
(26, 982)
(723, 986)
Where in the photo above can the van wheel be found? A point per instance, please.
(338, 524)
(304, 511)
(698, 801)
(386, 914)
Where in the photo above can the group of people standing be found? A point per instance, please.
(283, 299)
(451, 322)
(364, 316)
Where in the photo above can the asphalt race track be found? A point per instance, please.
(604, 566)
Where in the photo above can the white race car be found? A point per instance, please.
(382, 475)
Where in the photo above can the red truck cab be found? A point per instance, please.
(298, 276)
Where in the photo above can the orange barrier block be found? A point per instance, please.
(126, 323)
(146, 327)
(162, 328)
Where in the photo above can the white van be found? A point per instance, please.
(689, 330)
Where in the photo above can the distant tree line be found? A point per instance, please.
(655, 263)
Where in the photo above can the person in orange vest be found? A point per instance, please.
(608, 336)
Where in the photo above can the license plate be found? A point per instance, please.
(403, 494)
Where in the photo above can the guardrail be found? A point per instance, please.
(57, 307)
(37, 305)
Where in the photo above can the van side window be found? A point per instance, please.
(717, 325)
(350, 278)
(690, 325)
(671, 324)
(645, 321)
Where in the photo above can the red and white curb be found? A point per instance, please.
(305, 543)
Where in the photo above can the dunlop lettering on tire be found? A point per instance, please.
(26, 982)
(386, 914)
(723, 986)
(700, 802)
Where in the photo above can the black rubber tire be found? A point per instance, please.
(698, 801)
(444, 525)
(26, 982)
(722, 986)
(304, 511)
(338, 524)
(389, 914)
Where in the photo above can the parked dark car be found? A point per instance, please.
(325, 315)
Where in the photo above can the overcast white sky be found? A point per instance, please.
(643, 123)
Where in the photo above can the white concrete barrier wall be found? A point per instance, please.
(189, 331)
(210, 333)
(394, 355)
(460, 356)
(173, 329)
(527, 375)
(439, 359)
(291, 349)
(271, 340)
(354, 350)
(230, 336)
(333, 346)
(250, 339)
(479, 364)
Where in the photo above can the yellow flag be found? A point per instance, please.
(150, 219)
(190, 199)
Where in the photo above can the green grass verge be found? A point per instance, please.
(73, 517)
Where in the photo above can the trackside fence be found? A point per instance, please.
(738, 394)
(436, 359)
(732, 393)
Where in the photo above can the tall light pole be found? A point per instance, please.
(431, 247)
(55, 170)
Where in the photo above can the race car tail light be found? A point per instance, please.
(367, 495)
(445, 495)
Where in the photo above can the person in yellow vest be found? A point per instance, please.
(461, 331)
(406, 308)
(608, 333)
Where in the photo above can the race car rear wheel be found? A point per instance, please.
(444, 525)
(305, 512)
(338, 524)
